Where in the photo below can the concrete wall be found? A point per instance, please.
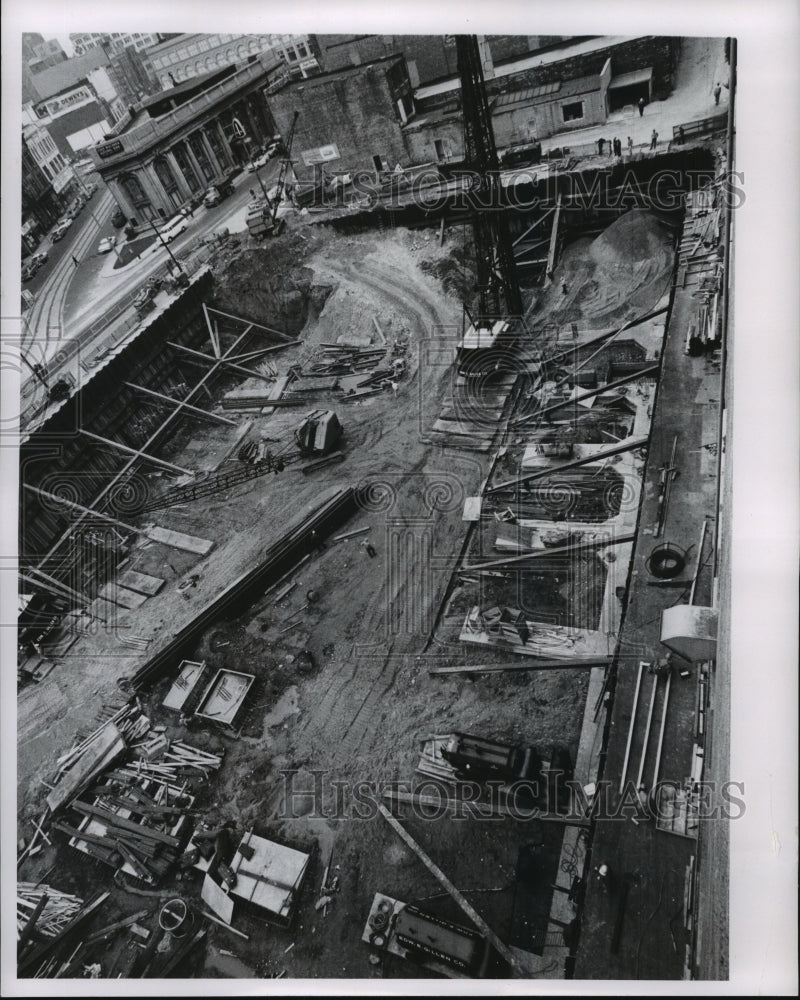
(355, 111)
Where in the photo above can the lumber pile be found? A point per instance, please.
(133, 822)
(43, 909)
(49, 958)
(340, 359)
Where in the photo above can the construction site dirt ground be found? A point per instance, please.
(360, 716)
(355, 722)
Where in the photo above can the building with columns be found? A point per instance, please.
(180, 141)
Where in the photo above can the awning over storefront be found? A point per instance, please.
(631, 79)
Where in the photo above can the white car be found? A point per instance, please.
(258, 163)
(171, 230)
(106, 245)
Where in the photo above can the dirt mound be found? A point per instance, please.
(635, 236)
(270, 284)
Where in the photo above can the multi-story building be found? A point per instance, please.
(83, 41)
(78, 101)
(41, 204)
(182, 57)
(183, 139)
(46, 54)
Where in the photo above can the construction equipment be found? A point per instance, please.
(490, 333)
(319, 433)
(262, 217)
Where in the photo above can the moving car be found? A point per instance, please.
(522, 154)
(106, 245)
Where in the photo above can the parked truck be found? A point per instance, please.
(481, 759)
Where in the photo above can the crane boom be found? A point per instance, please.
(284, 167)
(498, 287)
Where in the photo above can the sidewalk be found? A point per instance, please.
(701, 65)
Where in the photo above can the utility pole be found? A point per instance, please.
(165, 245)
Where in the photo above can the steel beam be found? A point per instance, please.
(181, 405)
(138, 456)
(137, 452)
(221, 362)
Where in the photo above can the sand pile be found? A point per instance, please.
(621, 274)
(635, 236)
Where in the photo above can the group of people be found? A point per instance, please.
(614, 147)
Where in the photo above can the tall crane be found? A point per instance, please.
(498, 286)
(262, 217)
(285, 163)
(499, 297)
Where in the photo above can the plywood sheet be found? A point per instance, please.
(178, 540)
(142, 583)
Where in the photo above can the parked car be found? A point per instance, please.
(258, 162)
(274, 148)
(60, 230)
(40, 257)
(106, 245)
(90, 190)
(118, 219)
(29, 269)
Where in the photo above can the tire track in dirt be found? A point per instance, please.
(374, 677)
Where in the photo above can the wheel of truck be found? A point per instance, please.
(377, 940)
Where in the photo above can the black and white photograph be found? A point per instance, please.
(399, 450)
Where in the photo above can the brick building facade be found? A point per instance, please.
(351, 118)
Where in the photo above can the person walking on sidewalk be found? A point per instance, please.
(600, 143)
(630, 146)
(641, 106)
(654, 139)
(717, 92)
(75, 261)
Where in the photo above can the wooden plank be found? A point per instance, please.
(142, 583)
(120, 822)
(551, 254)
(179, 540)
(570, 663)
(121, 596)
(97, 755)
(440, 876)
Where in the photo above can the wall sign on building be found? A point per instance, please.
(110, 149)
(322, 154)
